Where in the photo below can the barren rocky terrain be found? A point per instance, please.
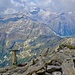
(61, 61)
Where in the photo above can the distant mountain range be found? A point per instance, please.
(62, 24)
(31, 33)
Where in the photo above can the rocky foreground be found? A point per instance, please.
(59, 62)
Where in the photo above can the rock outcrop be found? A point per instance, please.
(61, 62)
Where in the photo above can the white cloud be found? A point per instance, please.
(6, 6)
(44, 3)
(32, 4)
(10, 11)
(17, 4)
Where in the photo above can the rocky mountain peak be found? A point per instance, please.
(61, 62)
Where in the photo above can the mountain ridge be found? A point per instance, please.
(32, 33)
(25, 35)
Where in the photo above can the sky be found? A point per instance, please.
(14, 6)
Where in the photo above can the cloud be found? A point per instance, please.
(10, 11)
(6, 6)
(64, 5)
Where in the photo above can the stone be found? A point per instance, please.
(6, 74)
(3, 70)
(67, 68)
(30, 63)
(0, 73)
(54, 62)
(33, 69)
(51, 68)
(57, 73)
(41, 71)
(41, 60)
(21, 65)
(16, 74)
(61, 51)
(46, 73)
(34, 73)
